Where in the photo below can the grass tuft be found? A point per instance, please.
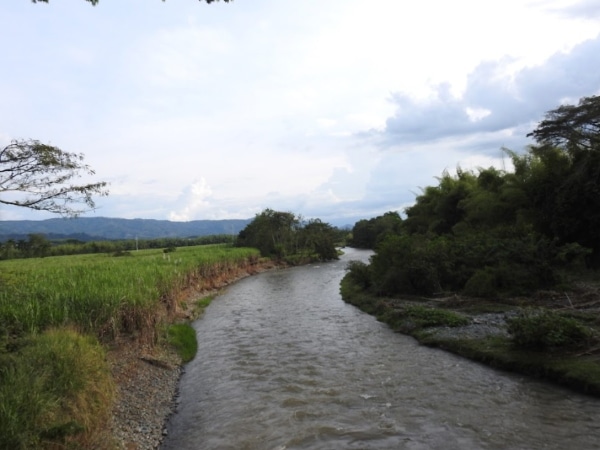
(182, 336)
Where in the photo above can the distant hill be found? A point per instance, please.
(103, 228)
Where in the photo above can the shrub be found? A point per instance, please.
(359, 273)
(409, 265)
(541, 329)
(482, 283)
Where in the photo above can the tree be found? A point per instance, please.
(43, 174)
(36, 246)
(282, 234)
(95, 2)
(438, 209)
(568, 151)
(571, 127)
(272, 232)
(319, 238)
(366, 233)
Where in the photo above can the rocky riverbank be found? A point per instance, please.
(477, 329)
(146, 380)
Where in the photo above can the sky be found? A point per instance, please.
(340, 110)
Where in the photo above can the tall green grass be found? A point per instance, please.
(104, 294)
(56, 390)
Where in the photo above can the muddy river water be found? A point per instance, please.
(284, 363)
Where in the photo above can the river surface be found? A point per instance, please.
(284, 363)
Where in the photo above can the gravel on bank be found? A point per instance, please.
(147, 381)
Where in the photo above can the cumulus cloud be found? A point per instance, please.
(495, 101)
(195, 198)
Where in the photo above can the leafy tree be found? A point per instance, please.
(409, 265)
(319, 238)
(366, 233)
(272, 232)
(43, 173)
(574, 128)
(37, 246)
(438, 209)
(564, 174)
(9, 250)
(281, 234)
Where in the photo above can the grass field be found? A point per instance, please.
(58, 313)
(104, 294)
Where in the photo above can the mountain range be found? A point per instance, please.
(104, 228)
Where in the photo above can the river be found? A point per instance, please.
(284, 363)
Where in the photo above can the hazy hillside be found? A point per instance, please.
(96, 228)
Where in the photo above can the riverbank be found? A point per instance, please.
(477, 329)
(147, 376)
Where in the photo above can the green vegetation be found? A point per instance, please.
(39, 246)
(542, 329)
(284, 236)
(491, 232)
(182, 336)
(499, 238)
(56, 392)
(55, 386)
(104, 295)
(559, 347)
(202, 304)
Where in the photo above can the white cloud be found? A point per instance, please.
(194, 200)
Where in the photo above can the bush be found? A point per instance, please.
(482, 284)
(541, 329)
(359, 273)
(409, 265)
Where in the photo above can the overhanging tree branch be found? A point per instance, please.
(43, 174)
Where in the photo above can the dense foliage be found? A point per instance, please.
(282, 235)
(490, 231)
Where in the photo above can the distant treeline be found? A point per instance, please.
(488, 231)
(39, 246)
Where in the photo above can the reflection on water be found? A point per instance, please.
(284, 363)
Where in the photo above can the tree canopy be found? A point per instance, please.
(571, 127)
(283, 235)
(39, 176)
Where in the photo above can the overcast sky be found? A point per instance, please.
(336, 109)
